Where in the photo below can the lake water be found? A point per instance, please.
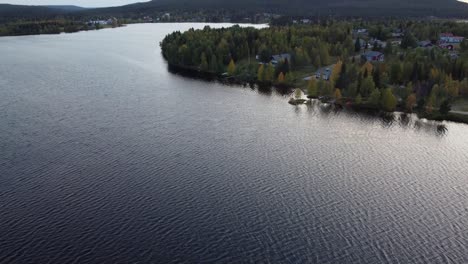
(107, 157)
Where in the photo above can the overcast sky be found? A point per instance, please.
(84, 3)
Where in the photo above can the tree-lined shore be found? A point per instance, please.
(411, 78)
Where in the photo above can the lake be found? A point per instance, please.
(109, 157)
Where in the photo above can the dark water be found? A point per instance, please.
(106, 157)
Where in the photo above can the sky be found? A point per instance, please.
(83, 3)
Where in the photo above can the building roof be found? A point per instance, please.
(372, 53)
(446, 34)
(280, 57)
(424, 43)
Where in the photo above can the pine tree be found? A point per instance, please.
(358, 99)
(357, 45)
(374, 98)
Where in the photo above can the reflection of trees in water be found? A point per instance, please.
(387, 120)
(283, 90)
(431, 126)
(265, 89)
(325, 110)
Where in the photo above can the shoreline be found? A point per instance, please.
(345, 102)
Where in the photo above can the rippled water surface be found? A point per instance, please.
(107, 157)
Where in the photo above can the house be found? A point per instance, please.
(450, 38)
(323, 73)
(97, 22)
(378, 43)
(396, 42)
(373, 56)
(275, 59)
(454, 55)
(360, 32)
(425, 44)
(446, 46)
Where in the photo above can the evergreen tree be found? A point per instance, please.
(367, 86)
(445, 107)
(374, 98)
(389, 101)
(204, 62)
(357, 45)
(358, 99)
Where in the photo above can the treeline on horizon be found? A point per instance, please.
(409, 77)
(217, 9)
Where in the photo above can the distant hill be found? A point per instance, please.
(69, 8)
(372, 8)
(15, 12)
(337, 8)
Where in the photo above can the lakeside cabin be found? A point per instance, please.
(322, 73)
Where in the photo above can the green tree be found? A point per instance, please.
(312, 88)
(374, 98)
(204, 62)
(409, 41)
(214, 63)
(357, 45)
(389, 101)
(358, 99)
(270, 73)
(396, 73)
(367, 86)
(445, 107)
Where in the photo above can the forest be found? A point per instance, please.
(411, 78)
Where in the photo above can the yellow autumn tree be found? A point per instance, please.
(281, 77)
(231, 68)
(367, 66)
(336, 72)
(337, 94)
(452, 86)
(410, 102)
(260, 73)
(298, 93)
